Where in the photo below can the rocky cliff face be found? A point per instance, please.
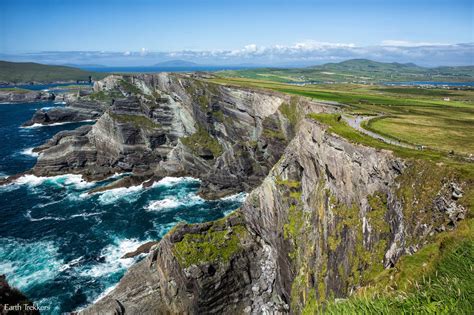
(328, 217)
(23, 96)
(79, 110)
(173, 125)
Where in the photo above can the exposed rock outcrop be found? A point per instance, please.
(24, 96)
(80, 110)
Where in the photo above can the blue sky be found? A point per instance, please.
(259, 31)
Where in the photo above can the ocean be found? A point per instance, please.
(60, 245)
(152, 69)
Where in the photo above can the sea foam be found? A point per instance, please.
(27, 264)
(29, 152)
(68, 180)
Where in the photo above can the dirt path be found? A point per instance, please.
(356, 121)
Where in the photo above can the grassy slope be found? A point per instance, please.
(358, 70)
(438, 279)
(418, 116)
(19, 72)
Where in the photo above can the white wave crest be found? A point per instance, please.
(129, 194)
(29, 217)
(172, 202)
(73, 180)
(163, 204)
(240, 197)
(27, 264)
(37, 125)
(71, 264)
(113, 259)
(29, 151)
(172, 181)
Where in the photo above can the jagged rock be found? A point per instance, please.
(22, 96)
(76, 111)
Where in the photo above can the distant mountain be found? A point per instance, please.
(176, 63)
(23, 72)
(359, 71)
(368, 65)
(91, 65)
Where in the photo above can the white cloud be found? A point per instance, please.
(303, 53)
(404, 43)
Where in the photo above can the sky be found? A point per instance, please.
(270, 32)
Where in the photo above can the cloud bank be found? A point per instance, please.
(303, 53)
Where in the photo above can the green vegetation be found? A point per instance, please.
(23, 72)
(445, 131)
(438, 279)
(200, 140)
(218, 244)
(129, 87)
(290, 111)
(16, 90)
(357, 70)
(105, 96)
(138, 121)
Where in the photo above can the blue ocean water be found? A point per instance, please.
(151, 69)
(63, 246)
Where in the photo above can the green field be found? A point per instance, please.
(24, 72)
(357, 71)
(416, 116)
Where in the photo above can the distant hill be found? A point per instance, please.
(23, 72)
(176, 63)
(359, 70)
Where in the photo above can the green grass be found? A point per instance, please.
(137, 120)
(290, 111)
(443, 131)
(201, 139)
(438, 279)
(218, 244)
(23, 72)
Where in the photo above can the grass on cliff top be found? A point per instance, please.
(16, 90)
(137, 120)
(438, 279)
(445, 132)
(201, 139)
(417, 115)
(218, 244)
(340, 127)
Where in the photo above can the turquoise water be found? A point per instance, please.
(63, 246)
